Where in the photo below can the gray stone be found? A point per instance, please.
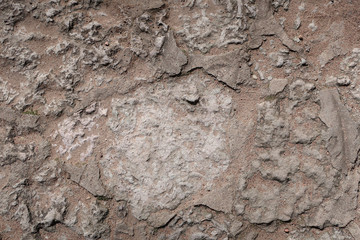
(47, 173)
(200, 236)
(88, 177)
(342, 204)
(160, 218)
(24, 123)
(343, 81)
(216, 201)
(303, 135)
(272, 129)
(124, 228)
(92, 224)
(219, 27)
(230, 68)
(255, 43)
(142, 124)
(266, 24)
(145, 120)
(312, 26)
(297, 23)
(10, 153)
(354, 229)
(23, 214)
(343, 142)
(277, 85)
(300, 91)
(334, 48)
(55, 213)
(235, 228)
(172, 58)
(282, 167)
(250, 234)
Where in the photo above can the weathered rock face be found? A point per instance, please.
(167, 141)
(194, 119)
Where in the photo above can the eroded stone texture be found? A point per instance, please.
(179, 119)
(172, 58)
(207, 24)
(343, 142)
(166, 157)
(230, 68)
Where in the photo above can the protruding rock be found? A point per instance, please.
(160, 218)
(216, 201)
(277, 85)
(230, 68)
(343, 143)
(343, 81)
(88, 177)
(172, 58)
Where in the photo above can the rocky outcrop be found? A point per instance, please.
(191, 119)
(343, 143)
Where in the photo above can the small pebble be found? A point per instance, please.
(352, 64)
(106, 43)
(312, 26)
(303, 62)
(343, 81)
(261, 75)
(297, 23)
(296, 39)
(284, 50)
(280, 62)
(286, 230)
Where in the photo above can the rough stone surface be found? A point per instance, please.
(179, 119)
(277, 86)
(343, 136)
(230, 68)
